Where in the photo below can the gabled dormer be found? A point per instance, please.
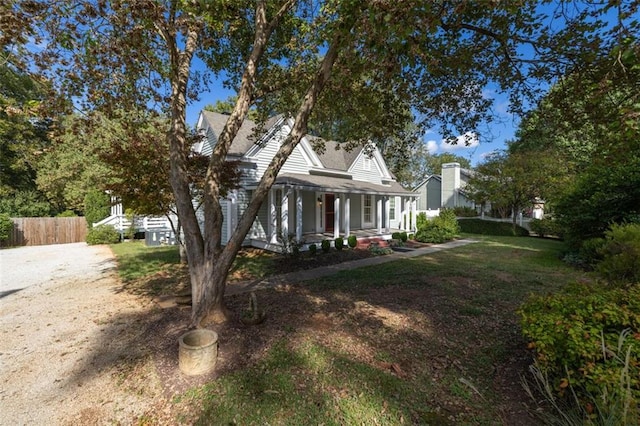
(369, 166)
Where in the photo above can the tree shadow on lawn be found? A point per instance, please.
(423, 335)
(429, 334)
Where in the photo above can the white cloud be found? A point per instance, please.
(432, 146)
(486, 155)
(467, 141)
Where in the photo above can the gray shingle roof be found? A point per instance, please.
(334, 155)
(246, 136)
(334, 184)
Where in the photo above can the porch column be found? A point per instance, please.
(387, 210)
(347, 215)
(402, 213)
(298, 215)
(273, 224)
(379, 214)
(284, 216)
(228, 220)
(336, 217)
(413, 214)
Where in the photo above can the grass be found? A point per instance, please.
(428, 340)
(154, 270)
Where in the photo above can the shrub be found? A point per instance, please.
(621, 254)
(546, 227)
(490, 227)
(609, 405)
(599, 197)
(403, 236)
(290, 246)
(376, 250)
(67, 213)
(313, 249)
(352, 241)
(465, 211)
(395, 236)
(338, 243)
(569, 330)
(434, 233)
(6, 227)
(103, 234)
(97, 206)
(421, 220)
(590, 252)
(442, 228)
(325, 245)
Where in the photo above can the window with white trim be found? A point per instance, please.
(367, 209)
(392, 208)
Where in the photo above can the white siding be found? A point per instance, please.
(360, 173)
(209, 142)
(308, 212)
(296, 163)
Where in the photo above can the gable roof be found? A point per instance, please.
(438, 177)
(246, 136)
(334, 155)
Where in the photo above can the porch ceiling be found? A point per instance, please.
(339, 185)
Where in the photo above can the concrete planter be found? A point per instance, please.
(198, 351)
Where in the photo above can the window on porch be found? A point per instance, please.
(367, 209)
(392, 208)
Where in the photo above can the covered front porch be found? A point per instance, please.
(309, 213)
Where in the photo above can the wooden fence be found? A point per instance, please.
(38, 231)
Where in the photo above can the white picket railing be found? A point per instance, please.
(141, 224)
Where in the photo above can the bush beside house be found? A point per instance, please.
(438, 230)
(103, 234)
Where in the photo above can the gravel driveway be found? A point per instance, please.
(66, 333)
(24, 267)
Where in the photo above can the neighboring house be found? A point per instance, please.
(445, 190)
(430, 193)
(318, 193)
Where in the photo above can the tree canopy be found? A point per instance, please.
(353, 69)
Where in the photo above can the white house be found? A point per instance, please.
(318, 193)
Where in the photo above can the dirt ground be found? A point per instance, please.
(67, 339)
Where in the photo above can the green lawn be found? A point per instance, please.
(428, 340)
(154, 271)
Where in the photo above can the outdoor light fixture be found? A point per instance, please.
(320, 200)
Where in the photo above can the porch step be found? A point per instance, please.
(364, 243)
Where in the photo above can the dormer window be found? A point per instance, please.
(367, 163)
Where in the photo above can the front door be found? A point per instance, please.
(329, 212)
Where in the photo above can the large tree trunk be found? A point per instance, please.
(209, 274)
(208, 303)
